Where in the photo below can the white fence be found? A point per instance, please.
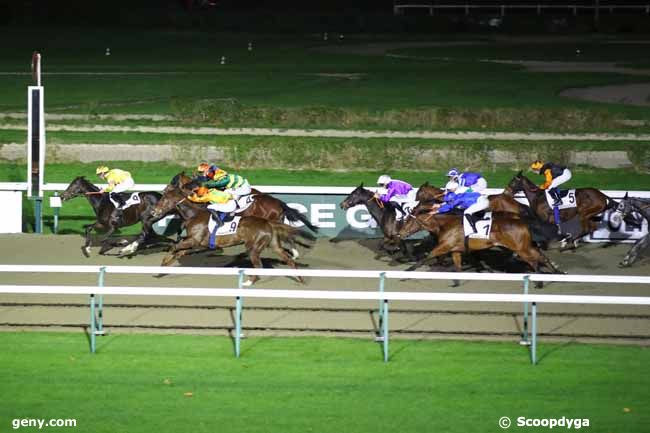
(503, 8)
(96, 320)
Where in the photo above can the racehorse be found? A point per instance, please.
(263, 205)
(627, 207)
(507, 231)
(503, 202)
(255, 233)
(383, 213)
(106, 218)
(589, 203)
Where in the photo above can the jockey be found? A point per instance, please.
(471, 201)
(467, 181)
(118, 181)
(393, 189)
(233, 184)
(206, 171)
(220, 202)
(555, 176)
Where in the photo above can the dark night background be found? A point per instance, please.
(299, 16)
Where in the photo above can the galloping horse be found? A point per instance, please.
(105, 212)
(507, 231)
(503, 202)
(642, 206)
(589, 203)
(255, 233)
(263, 206)
(383, 213)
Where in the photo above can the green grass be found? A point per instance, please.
(277, 84)
(136, 383)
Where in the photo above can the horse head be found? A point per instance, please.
(429, 192)
(171, 197)
(79, 186)
(360, 195)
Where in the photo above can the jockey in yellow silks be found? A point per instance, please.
(221, 202)
(118, 181)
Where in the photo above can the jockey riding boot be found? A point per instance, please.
(555, 193)
(216, 215)
(470, 220)
(120, 203)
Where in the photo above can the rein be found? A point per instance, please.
(379, 202)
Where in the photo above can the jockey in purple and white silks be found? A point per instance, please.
(467, 181)
(394, 190)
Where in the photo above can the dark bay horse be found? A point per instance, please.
(106, 215)
(263, 206)
(255, 233)
(627, 207)
(507, 231)
(383, 213)
(589, 203)
(504, 202)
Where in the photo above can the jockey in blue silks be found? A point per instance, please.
(470, 201)
(467, 181)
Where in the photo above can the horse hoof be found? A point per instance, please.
(247, 283)
(455, 283)
(624, 264)
(85, 251)
(129, 249)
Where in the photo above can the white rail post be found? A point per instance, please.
(533, 347)
(238, 311)
(385, 330)
(524, 332)
(100, 307)
(92, 323)
(380, 322)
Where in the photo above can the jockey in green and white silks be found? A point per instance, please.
(234, 184)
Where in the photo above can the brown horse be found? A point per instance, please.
(263, 205)
(507, 231)
(504, 202)
(589, 203)
(105, 212)
(255, 233)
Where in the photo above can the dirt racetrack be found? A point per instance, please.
(618, 324)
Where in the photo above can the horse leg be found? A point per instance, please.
(289, 260)
(457, 257)
(254, 252)
(178, 250)
(85, 249)
(633, 254)
(106, 242)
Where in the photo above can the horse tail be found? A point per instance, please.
(285, 233)
(294, 216)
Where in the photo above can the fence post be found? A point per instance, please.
(238, 310)
(92, 323)
(55, 228)
(380, 324)
(385, 330)
(524, 332)
(533, 352)
(100, 307)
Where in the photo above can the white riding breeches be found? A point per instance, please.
(481, 203)
(243, 189)
(230, 206)
(479, 186)
(408, 197)
(124, 186)
(564, 177)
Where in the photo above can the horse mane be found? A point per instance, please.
(91, 186)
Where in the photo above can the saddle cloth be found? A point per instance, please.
(134, 199)
(568, 199)
(244, 202)
(229, 227)
(483, 227)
